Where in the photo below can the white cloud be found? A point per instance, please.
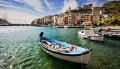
(17, 13)
(69, 3)
(95, 2)
(25, 8)
(48, 4)
(18, 1)
(16, 16)
(36, 4)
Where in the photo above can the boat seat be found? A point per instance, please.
(61, 51)
(49, 46)
(46, 45)
(56, 47)
(44, 41)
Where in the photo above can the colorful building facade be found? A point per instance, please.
(75, 17)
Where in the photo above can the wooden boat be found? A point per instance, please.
(65, 51)
(89, 34)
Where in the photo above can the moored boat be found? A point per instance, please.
(89, 34)
(66, 26)
(65, 51)
(112, 33)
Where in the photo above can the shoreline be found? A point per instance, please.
(111, 27)
(106, 27)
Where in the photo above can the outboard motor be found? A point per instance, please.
(41, 34)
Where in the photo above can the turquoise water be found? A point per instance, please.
(19, 49)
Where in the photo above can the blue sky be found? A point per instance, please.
(25, 11)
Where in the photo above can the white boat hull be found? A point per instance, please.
(82, 35)
(89, 36)
(83, 59)
(96, 38)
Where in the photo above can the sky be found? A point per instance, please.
(25, 11)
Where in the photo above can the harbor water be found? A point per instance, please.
(19, 49)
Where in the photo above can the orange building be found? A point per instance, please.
(88, 19)
(42, 21)
(65, 19)
(76, 18)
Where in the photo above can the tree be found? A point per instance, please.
(112, 7)
(113, 21)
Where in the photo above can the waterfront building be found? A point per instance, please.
(58, 20)
(66, 18)
(69, 18)
(35, 22)
(73, 18)
(76, 20)
(85, 15)
(80, 19)
(69, 9)
(53, 19)
(61, 19)
(38, 22)
(88, 19)
(105, 17)
(42, 21)
(96, 14)
(48, 20)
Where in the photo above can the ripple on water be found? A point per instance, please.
(11, 66)
(20, 50)
(23, 63)
(2, 62)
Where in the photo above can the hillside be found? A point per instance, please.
(4, 22)
(112, 8)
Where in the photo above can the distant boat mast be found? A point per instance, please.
(5, 17)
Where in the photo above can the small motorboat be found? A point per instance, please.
(112, 33)
(65, 51)
(66, 26)
(91, 35)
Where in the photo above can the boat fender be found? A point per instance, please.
(57, 46)
(73, 47)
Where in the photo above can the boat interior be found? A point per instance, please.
(63, 47)
(56, 47)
